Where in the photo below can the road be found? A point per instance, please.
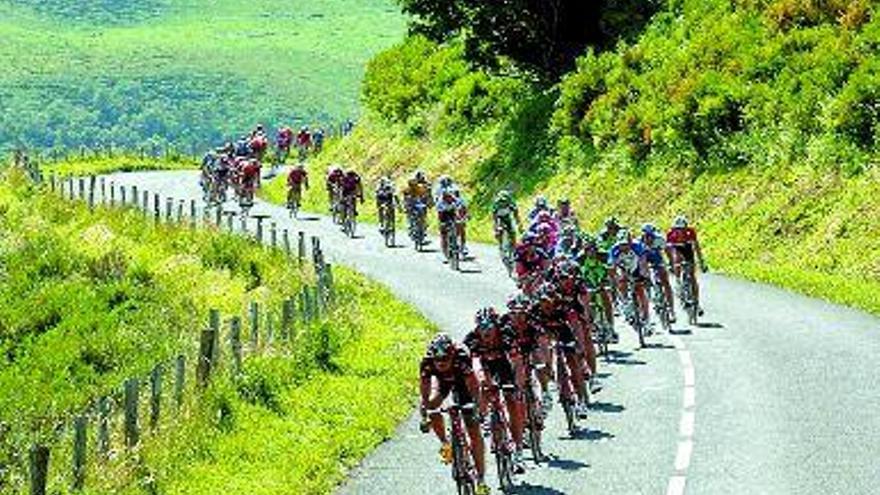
(775, 393)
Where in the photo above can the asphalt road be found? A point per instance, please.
(775, 393)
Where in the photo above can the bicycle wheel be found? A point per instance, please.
(533, 425)
(461, 471)
(570, 419)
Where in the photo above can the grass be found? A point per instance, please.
(91, 298)
(185, 73)
(79, 166)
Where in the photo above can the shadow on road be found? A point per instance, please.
(607, 407)
(470, 271)
(527, 489)
(680, 331)
(657, 345)
(566, 464)
(628, 362)
(710, 325)
(591, 435)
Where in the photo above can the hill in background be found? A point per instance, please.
(182, 73)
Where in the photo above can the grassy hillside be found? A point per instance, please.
(88, 299)
(150, 72)
(758, 119)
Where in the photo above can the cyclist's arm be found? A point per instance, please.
(425, 389)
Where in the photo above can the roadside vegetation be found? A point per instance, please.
(757, 119)
(90, 298)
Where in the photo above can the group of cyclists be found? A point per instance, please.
(571, 284)
(238, 164)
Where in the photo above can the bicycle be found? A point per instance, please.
(294, 196)
(567, 396)
(604, 333)
(633, 312)
(453, 252)
(505, 243)
(686, 292)
(502, 443)
(387, 223)
(336, 206)
(246, 200)
(658, 300)
(534, 415)
(417, 224)
(464, 473)
(349, 219)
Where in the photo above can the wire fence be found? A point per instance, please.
(109, 432)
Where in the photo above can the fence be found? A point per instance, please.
(113, 426)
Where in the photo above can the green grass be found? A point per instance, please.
(186, 73)
(89, 299)
(78, 166)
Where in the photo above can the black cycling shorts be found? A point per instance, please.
(501, 371)
(685, 252)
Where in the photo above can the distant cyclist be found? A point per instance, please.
(386, 200)
(658, 255)
(259, 143)
(283, 141)
(448, 208)
(505, 215)
(447, 370)
(333, 183)
(352, 190)
(565, 214)
(627, 259)
(297, 179)
(318, 140)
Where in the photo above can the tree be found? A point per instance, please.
(542, 36)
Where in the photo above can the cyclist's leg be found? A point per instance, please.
(576, 372)
(472, 424)
(642, 299)
(438, 425)
(607, 304)
(514, 400)
(663, 275)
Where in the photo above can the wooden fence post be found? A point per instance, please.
(155, 396)
(112, 193)
(79, 452)
(180, 206)
(52, 182)
(134, 195)
(103, 190)
(273, 237)
(207, 353)
(179, 379)
(254, 315)
(146, 201)
(286, 240)
(287, 319)
(218, 217)
(132, 394)
(92, 180)
(82, 188)
(235, 344)
(301, 247)
(270, 328)
(169, 208)
(304, 303)
(157, 215)
(104, 427)
(39, 457)
(192, 213)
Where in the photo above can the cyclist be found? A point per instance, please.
(682, 239)
(447, 368)
(529, 340)
(552, 318)
(352, 190)
(250, 173)
(462, 217)
(657, 254)
(594, 270)
(574, 297)
(607, 237)
(491, 345)
(303, 142)
(417, 191)
(335, 175)
(243, 147)
(505, 214)
(627, 259)
(318, 139)
(564, 214)
(259, 143)
(530, 260)
(283, 140)
(541, 205)
(448, 210)
(569, 244)
(386, 200)
(296, 180)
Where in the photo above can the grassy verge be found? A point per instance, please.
(91, 298)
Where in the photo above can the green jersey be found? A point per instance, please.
(595, 272)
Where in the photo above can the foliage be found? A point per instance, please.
(543, 37)
(186, 74)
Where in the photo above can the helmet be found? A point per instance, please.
(649, 229)
(623, 237)
(518, 303)
(385, 181)
(351, 173)
(541, 203)
(680, 222)
(588, 241)
(612, 222)
(419, 175)
(545, 293)
(446, 181)
(564, 202)
(486, 317)
(566, 269)
(503, 195)
(441, 346)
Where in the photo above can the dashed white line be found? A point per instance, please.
(686, 427)
(690, 397)
(685, 358)
(676, 485)
(689, 378)
(683, 456)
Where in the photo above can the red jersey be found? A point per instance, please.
(251, 169)
(681, 236)
(285, 137)
(297, 176)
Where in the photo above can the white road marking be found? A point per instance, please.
(686, 427)
(676, 485)
(683, 456)
(690, 397)
(689, 377)
(685, 358)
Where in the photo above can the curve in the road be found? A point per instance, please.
(788, 390)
